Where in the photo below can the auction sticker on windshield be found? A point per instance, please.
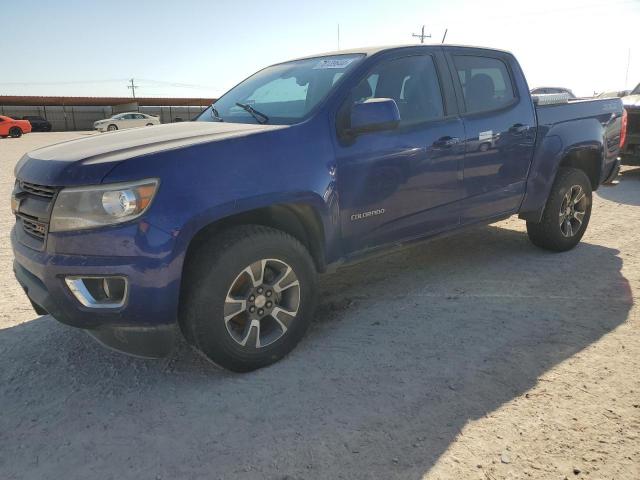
(333, 63)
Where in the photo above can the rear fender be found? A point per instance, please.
(559, 146)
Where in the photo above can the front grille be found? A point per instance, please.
(33, 227)
(39, 190)
(34, 203)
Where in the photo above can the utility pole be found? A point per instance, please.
(422, 36)
(338, 36)
(133, 88)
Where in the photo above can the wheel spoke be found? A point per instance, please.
(239, 304)
(578, 216)
(278, 287)
(256, 272)
(569, 227)
(252, 336)
(283, 317)
(579, 195)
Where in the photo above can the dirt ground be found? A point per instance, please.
(473, 357)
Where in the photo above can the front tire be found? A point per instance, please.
(15, 132)
(112, 128)
(248, 297)
(566, 214)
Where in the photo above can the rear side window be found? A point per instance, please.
(411, 81)
(486, 84)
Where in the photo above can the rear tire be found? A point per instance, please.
(149, 124)
(248, 297)
(15, 132)
(566, 214)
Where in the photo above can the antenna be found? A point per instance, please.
(626, 77)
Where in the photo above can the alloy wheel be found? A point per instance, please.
(572, 211)
(261, 303)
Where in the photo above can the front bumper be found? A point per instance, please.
(145, 325)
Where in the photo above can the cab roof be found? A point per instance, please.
(368, 51)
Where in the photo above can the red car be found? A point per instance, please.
(13, 128)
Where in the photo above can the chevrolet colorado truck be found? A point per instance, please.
(218, 228)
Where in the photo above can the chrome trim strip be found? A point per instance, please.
(79, 290)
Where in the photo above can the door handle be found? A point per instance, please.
(445, 142)
(518, 129)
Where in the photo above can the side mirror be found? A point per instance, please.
(374, 115)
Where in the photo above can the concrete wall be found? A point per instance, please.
(82, 118)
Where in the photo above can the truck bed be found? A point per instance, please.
(577, 109)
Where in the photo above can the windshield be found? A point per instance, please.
(636, 91)
(281, 94)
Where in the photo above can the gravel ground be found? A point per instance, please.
(474, 357)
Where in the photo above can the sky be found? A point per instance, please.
(198, 48)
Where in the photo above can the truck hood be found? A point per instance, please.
(87, 160)
(631, 101)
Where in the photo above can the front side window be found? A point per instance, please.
(411, 81)
(281, 94)
(486, 84)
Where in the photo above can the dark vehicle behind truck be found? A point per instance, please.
(221, 226)
(631, 149)
(38, 124)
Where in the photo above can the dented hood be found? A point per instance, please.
(87, 160)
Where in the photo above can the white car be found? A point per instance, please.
(126, 120)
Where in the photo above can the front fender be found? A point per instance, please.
(325, 210)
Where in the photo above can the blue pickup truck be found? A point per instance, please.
(218, 228)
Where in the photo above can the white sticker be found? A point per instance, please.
(488, 135)
(333, 63)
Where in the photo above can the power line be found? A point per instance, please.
(72, 82)
(174, 84)
(422, 36)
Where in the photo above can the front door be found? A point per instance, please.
(398, 184)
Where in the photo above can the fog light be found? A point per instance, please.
(99, 292)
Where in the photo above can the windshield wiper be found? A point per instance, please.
(215, 114)
(259, 116)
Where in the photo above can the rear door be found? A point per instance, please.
(141, 120)
(499, 121)
(398, 184)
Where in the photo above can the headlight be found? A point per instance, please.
(79, 208)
